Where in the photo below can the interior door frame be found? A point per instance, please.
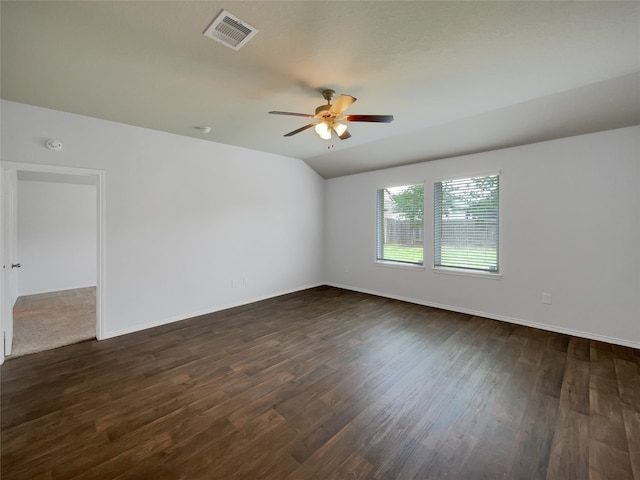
(8, 240)
(100, 234)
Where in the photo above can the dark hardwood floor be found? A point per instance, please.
(325, 384)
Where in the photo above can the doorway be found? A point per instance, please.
(61, 296)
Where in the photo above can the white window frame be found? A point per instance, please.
(468, 272)
(393, 263)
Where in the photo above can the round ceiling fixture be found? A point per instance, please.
(55, 145)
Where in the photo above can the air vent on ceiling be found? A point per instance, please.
(230, 31)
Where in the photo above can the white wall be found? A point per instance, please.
(191, 226)
(57, 228)
(570, 226)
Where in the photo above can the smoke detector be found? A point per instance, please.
(53, 144)
(230, 31)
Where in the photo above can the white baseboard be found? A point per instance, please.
(493, 316)
(165, 321)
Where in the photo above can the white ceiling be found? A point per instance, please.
(459, 77)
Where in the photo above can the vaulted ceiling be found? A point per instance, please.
(459, 77)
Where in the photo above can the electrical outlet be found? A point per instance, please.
(546, 298)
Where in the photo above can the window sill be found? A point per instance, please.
(466, 273)
(405, 266)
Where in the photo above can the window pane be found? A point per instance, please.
(400, 224)
(466, 223)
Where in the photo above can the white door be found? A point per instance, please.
(10, 262)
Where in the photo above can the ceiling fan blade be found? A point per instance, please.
(369, 118)
(342, 103)
(301, 129)
(344, 135)
(291, 113)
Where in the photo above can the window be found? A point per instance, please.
(466, 223)
(400, 224)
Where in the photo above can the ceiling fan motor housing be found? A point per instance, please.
(323, 108)
(328, 96)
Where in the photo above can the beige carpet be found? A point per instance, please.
(49, 320)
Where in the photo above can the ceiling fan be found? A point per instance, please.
(328, 116)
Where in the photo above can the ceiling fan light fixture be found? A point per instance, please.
(323, 130)
(339, 128)
(326, 116)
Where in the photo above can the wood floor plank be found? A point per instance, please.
(324, 384)
(628, 374)
(551, 372)
(607, 462)
(574, 393)
(569, 456)
(632, 426)
(531, 449)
